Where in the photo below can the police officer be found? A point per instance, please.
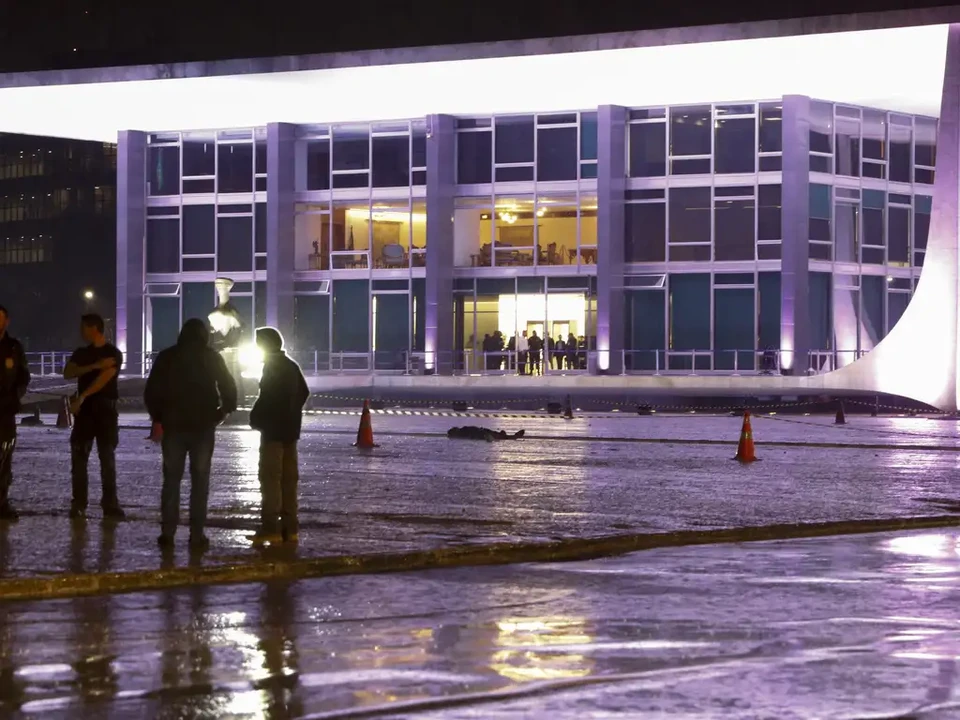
(95, 367)
(14, 379)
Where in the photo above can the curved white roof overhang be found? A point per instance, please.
(897, 69)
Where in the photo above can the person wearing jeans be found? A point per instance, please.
(277, 414)
(189, 392)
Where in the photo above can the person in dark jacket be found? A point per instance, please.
(14, 379)
(189, 392)
(277, 414)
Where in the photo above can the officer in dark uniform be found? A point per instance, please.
(95, 367)
(14, 379)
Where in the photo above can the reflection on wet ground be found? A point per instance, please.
(836, 627)
(424, 491)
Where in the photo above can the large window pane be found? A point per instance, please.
(199, 299)
(821, 127)
(198, 156)
(847, 156)
(235, 244)
(391, 331)
(771, 128)
(921, 219)
(474, 158)
(768, 288)
(898, 237)
(734, 229)
(690, 215)
(473, 232)
(690, 131)
(198, 229)
(874, 135)
(873, 226)
(557, 154)
(588, 136)
(318, 164)
(164, 324)
(645, 232)
(514, 139)
(164, 170)
(847, 233)
(768, 212)
(820, 213)
(734, 334)
(235, 168)
(926, 149)
(311, 323)
(391, 161)
(874, 289)
(557, 229)
(351, 316)
(820, 303)
(646, 329)
(901, 153)
(419, 157)
(648, 150)
(260, 227)
(163, 245)
(689, 315)
(736, 150)
(351, 148)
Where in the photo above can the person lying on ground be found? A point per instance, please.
(472, 432)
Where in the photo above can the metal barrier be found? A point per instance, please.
(509, 362)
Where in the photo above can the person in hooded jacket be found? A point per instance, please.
(277, 414)
(14, 379)
(189, 392)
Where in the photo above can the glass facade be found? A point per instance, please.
(512, 210)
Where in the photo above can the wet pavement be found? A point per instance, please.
(852, 627)
(568, 479)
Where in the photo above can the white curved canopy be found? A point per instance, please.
(896, 69)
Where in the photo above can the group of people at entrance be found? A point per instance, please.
(528, 354)
(189, 392)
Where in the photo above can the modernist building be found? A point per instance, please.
(57, 236)
(671, 238)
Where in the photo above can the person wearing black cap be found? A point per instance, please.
(14, 379)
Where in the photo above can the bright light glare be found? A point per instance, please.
(908, 80)
(251, 362)
(88, 294)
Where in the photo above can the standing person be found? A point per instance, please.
(571, 352)
(277, 414)
(14, 379)
(523, 349)
(95, 367)
(560, 351)
(536, 348)
(189, 392)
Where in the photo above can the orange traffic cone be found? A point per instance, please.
(365, 431)
(568, 413)
(64, 418)
(156, 433)
(745, 450)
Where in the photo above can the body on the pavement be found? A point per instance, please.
(189, 392)
(14, 379)
(472, 432)
(277, 414)
(95, 367)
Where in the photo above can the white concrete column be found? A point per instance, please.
(131, 241)
(611, 197)
(281, 143)
(441, 188)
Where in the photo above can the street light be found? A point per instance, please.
(88, 294)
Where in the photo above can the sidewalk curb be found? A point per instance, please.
(65, 586)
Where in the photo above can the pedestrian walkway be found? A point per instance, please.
(424, 501)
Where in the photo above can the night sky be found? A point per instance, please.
(59, 34)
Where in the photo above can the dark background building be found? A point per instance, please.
(57, 236)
